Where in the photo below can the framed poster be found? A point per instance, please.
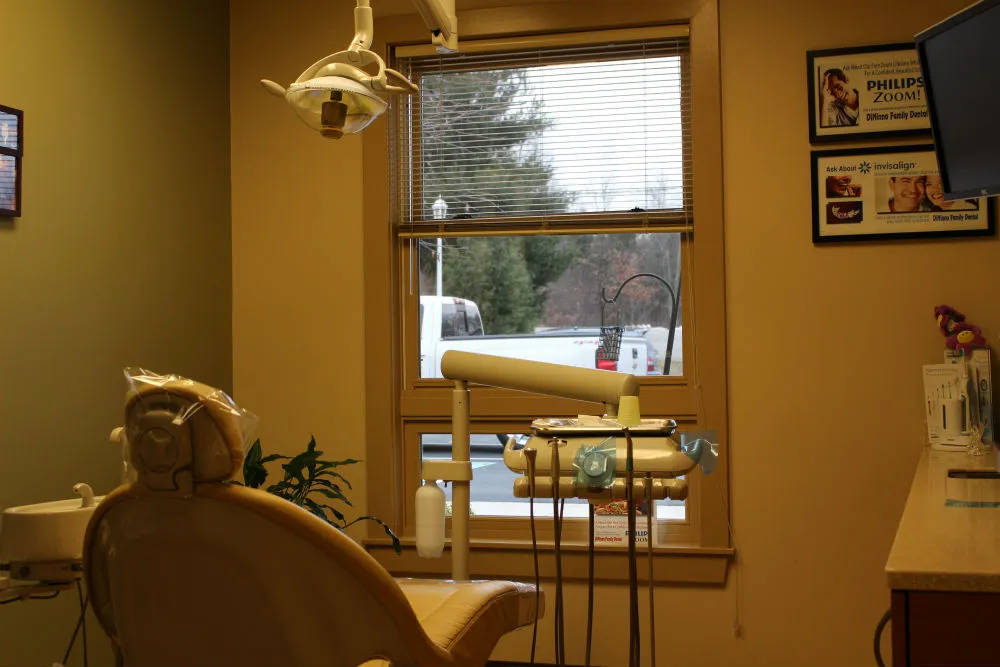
(11, 130)
(10, 185)
(888, 193)
(11, 148)
(866, 92)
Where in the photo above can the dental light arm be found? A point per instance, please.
(344, 92)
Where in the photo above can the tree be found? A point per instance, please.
(607, 261)
(496, 277)
(479, 151)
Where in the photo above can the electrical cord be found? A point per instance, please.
(529, 455)
(649, 551)
(633, 582)
(557, 524)
(886, 618)
(83, 614)
(81, 622)
(562, 611)
(590, 585)
(30, 597)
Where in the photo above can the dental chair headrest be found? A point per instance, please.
(179, 432)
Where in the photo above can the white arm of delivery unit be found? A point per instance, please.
(583, 384)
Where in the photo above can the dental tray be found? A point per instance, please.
(587, 425)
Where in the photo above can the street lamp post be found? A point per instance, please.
(440, 211)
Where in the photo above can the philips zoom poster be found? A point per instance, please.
(883, 193)
(866, 92)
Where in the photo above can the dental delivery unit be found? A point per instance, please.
(615, 456)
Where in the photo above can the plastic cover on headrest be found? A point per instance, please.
(178, 429)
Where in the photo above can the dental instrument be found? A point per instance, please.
(344, 92)
(642, 457)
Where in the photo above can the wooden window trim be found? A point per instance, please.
(385, 387)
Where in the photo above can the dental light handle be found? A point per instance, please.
(430, 509)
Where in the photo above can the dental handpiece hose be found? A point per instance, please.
(557, 524)
(633, 582)
(529, 454)
(590, 584)
(649, 552)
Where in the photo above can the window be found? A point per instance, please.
(544, 194)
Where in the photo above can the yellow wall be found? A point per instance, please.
(825, 344)
(297, 272)
(122, 256)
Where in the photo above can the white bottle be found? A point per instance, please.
(430, 520)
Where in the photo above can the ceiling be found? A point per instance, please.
(396, 7)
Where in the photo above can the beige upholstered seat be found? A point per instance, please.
(210, 573)
(468, 618)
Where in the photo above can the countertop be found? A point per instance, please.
(944, 548)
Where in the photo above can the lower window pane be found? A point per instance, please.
(539, 298)
(492, 488)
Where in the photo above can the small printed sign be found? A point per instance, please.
(866, 92)
(893, 192)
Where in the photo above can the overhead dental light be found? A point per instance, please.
(344, 92)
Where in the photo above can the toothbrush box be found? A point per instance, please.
(945, 407)
(981, 381)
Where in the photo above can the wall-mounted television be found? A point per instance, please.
(960, 61)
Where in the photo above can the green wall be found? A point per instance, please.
(122, 255)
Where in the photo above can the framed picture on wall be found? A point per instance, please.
(10, 185)
(11, 149)
(889, 193)
(866, 92)
(11, 130)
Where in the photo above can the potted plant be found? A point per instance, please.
(311, 483)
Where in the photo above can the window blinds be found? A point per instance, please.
(538, 138)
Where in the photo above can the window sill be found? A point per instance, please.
(512, 559)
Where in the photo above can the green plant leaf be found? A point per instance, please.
(323, 465)
(306, 474)
(254, 473)
(327, 484)
(396, 545)
(316, 509)
(283, 490)
(283, 486)
(337, 475)
(295, 466)
(253, 454)
(333, 495)
(298, 464)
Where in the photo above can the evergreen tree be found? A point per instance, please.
(496, 277)
(478, 132)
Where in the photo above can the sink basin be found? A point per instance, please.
(976, 486)
(51, 531)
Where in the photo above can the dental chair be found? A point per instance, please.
(183, 568)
